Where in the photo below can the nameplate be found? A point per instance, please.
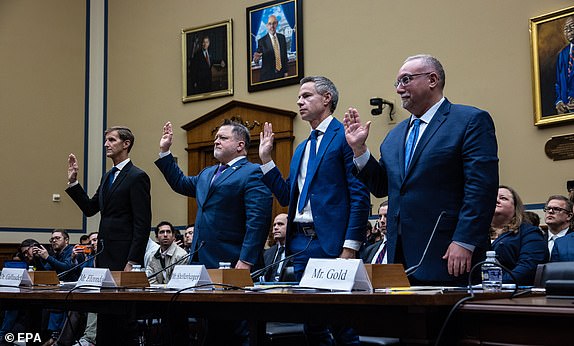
(15, 277)
(187, 276)
(96, 278)
(336, 274)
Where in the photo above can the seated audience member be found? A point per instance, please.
(84, 240)
(532, 218)
(557, 215)
(60, 262)
(376, 253)
(519, 246)
(188, 238)
(150, 250)
(79, 324)
(279, 271)
(167, 254)
(16, 320)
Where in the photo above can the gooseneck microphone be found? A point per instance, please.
(88, 258)
(178, 261)
(261, 271)
(411, 270)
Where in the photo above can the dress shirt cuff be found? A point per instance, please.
(73, 184)
(361, 161)
(265, 168)
(251, 264)
(469, 247)
(352, 244)
(164, 154)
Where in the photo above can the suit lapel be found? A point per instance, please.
(119, 179)
(437, 120)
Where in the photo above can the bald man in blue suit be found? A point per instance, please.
(442, 160)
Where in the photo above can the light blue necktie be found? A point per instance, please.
(411, 142)
(304, 197)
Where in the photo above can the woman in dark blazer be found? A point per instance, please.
(519, 246)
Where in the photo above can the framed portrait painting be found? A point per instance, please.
(275, 44)
(207, 61)
(552, 39)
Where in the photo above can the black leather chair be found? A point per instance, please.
(553, 271)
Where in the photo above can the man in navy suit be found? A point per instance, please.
(233, 205)
(328, 206)
(124, 202)
(202, 63)
(276, 253)
(274, 65)
(439, 164)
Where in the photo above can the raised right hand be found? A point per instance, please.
(167, 137)
(72, 168)
(266, 143)
(355, 132)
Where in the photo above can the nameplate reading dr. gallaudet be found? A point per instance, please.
(336, 274)
(15, 277)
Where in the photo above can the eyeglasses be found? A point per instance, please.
(568, 28)
(406, 79)
(555, 210)
(55, 238)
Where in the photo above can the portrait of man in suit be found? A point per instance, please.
(439, 165)
(202, 63)
(272, 51)
(328, 205)
(565, 71)
(123, 200)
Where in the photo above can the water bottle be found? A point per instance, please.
(491, 274)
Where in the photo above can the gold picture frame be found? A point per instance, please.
(548, 42)
(207, 61)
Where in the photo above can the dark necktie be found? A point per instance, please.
(411, 142)
(381, 255)
(277, 266)
(220, 170)
(304, 197)
(111, 177)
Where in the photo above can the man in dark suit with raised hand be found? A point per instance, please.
(233, 205)
(233, 211)
(443, 158)
(328, 205)
(124, 202)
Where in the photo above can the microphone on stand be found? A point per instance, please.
(88, 258)
(178, 261)
(411, 270)
(262, 271)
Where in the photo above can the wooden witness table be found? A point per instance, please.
(415, 318)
